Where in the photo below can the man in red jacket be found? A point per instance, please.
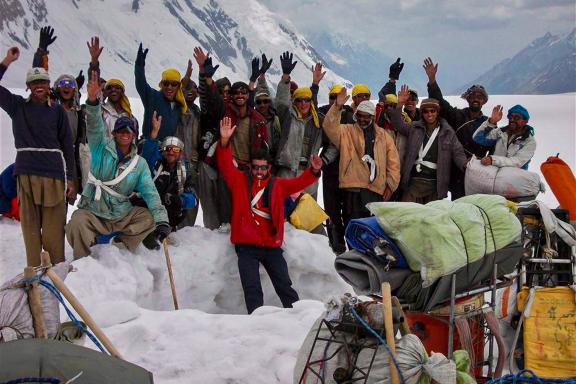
(258, 218)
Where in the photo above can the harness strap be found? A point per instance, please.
(423, 151)
(105, 185)
(255, 200)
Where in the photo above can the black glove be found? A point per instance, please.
(286, 62)
(46, 38)
(255, 70)
(163, 229)
(141, 56)
(209, 69)
(265, 64)
(395, 70)
(80, 79)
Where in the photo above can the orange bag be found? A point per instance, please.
(561, 180)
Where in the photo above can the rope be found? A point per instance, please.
(526, 376)
(382, 341)
(30, 149)
(71, 315)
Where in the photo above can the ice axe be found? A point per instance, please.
(170, 275)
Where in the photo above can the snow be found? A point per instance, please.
(211, 340)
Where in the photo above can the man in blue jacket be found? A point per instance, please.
(45, 166)
(116, 172)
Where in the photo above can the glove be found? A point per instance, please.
(265, 64)
(162, 230)
(255, 70)
(46, 38)
(210, 69)
(141, 56)
(80, 79)
(395, 70)
(286, 63)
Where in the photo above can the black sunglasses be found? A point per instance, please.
(168, 83)
(256, 167)
(263, 101)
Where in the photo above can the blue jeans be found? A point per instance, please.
(249, 259)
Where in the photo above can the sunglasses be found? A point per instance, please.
(114, 88)
(264, 101)
(168, 83)
(241, 91)
(424, 111)
(66, 83)
(172, 149)
(363, 95)
(256, 167)
(302, 100)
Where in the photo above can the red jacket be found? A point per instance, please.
(245, 227)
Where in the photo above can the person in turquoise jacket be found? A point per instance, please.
(168, 102)
(115, 173)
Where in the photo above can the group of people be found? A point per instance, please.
(240, 154)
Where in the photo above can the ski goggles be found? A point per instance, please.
(172, 149)
(66, 83)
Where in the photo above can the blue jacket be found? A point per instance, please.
(106, 165)
(7, 188)
(154, 100)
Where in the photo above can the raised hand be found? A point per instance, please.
(287, 63)
(430, 69)
(255, 70)
(342, 98)
(265, 64)
(226, 130)
(403, 95)
(156, 124)
(200, 58)
(11, 56)
(141, 56)
(93, 88)
(209, 68)
(46, 37)
(315, 163)
(80, 79)
(395, 70)
(188, 73)
(317, 74)
(497, 113)
(95, 49)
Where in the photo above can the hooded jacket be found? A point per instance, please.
(353, 171)
(516, 154)
(106, 165)
(449, 150)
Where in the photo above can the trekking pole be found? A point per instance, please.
(170, 276)
(389, 328)
(79, 308)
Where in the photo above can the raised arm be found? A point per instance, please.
(41, 55)
(393, 76)
(8, 100)
(95, 50)
(398, 122)
(283, 91)
(434, 91)
(94, 123)
(331, 125)
(142, 86)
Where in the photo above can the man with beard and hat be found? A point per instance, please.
(369, 164)
(514, 144)
(45, 166)
(117, 171)
(258, 218)
(167, 102)
(431, 149)
(464, 122)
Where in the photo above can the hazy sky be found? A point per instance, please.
(473, 34)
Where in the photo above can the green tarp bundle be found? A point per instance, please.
(441, 237)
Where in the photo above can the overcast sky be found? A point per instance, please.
(474, 34)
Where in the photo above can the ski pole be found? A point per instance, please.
(170, 275)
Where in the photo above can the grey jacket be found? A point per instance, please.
(293, 130)
(449, 150)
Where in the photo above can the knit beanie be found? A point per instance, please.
(124, 101)
(520, 110)
(475, 88)
(172, 74)
(430, 103)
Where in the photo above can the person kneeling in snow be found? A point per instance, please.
(172, 177)
(515, 143)
(258, 218)
(116, 172)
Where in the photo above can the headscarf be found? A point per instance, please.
(172, 74)
(306, 92)
(336, 88)
(124, 101)
(360, 88)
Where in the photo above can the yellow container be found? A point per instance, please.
(550, 332)
(307, 215)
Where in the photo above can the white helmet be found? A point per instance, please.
(172, 141)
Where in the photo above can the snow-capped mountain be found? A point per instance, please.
(358, 62)
(546, 66)
(232, 31)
